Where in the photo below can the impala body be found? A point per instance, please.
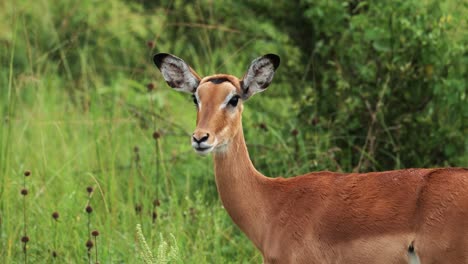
(403, 216)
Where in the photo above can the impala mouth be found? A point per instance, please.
(202, 148)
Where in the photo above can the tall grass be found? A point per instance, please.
(74, 107)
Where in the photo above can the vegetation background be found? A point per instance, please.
(363, 86)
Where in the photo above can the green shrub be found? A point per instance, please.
(386, 79)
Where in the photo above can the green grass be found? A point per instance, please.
(68, 149)
(74, 106)
(73, 127)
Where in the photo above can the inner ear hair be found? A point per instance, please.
(176, 72)
(259, 75)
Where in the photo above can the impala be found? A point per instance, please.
(402, 216)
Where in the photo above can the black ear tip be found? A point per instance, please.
(158, 58)
(275, 59)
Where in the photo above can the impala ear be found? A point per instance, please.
(259, 75)
(177, 72)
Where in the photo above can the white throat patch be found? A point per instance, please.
(198, 100)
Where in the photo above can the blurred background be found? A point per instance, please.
(362, 86)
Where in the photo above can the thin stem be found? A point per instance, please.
(296, 149)
(141, 216)
(25, 250)
(158, 172)
(24, 207)
(156, 146)
(89, 228)
(156, 136)
(55, 239)
(25, 253)
(89, 224)
(95, 244)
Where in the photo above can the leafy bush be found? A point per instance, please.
(386, 79)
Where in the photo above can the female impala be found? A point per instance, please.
(403, 216)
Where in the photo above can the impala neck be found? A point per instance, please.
(242, 189)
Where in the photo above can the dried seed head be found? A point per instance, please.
(25, 239)
(263, 126)
(150, 44)
(155, 216)
(27, 173)
(136, 149)
(89, 244)
(54, 254)
(294, 132)
(192, 211)
(89, 189)
(95, 233)
(315, 120)
(24, 191)
(156, 202)
(89, 209)
(138, 208)
(150, 87)
(55, 215)
(156, 135)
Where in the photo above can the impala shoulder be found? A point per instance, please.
(447, 174)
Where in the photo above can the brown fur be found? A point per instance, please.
(317, 217)
(327, 217)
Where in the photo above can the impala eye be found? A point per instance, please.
(195, 101)
(234, 100)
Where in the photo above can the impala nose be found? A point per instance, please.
(200, 137)
(200, 142)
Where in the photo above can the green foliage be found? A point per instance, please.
(363, 85)
(388, 80)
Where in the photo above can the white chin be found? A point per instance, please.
(204, 151)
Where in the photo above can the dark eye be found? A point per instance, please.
(195, 100)
(234, 100)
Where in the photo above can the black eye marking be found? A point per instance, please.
(234, 100)
(218, 80)
(195, 101)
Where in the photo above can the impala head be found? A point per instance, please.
(218, 98)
